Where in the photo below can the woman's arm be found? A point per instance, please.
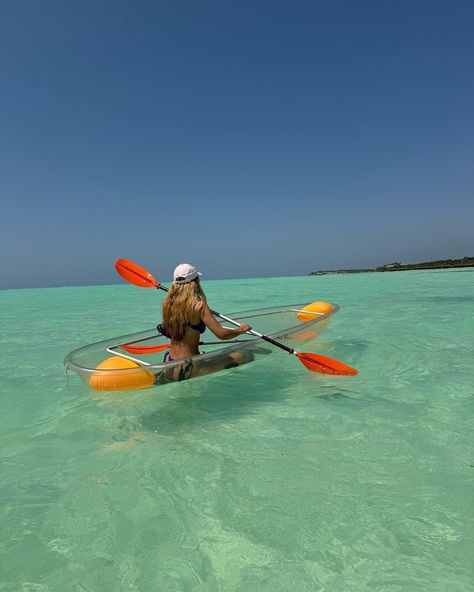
(219, 331)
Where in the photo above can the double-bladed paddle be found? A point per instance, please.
(137, 275)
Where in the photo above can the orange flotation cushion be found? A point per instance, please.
(314, 310)
(121, 376)
(306, 336)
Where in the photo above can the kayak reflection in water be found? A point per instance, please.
(186, 315)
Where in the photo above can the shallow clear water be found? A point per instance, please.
(262, 478)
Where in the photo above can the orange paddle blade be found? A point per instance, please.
(144, 349)
(325, 365)
(133, 273)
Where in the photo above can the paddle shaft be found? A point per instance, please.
(232, 322)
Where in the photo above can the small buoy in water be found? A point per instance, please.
(120, 374)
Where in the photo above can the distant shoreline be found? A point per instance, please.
(440, 264)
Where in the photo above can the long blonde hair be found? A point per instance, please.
(179, 307)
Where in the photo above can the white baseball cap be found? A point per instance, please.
(185, 273)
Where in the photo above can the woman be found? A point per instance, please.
(186, 316)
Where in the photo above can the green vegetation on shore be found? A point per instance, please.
(440, 264)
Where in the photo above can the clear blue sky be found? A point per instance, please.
(251, 138)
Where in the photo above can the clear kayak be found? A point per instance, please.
(135, 361)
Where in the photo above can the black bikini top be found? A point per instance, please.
(200, 328)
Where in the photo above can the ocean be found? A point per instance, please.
(262, 478)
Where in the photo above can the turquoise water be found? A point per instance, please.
(262, 478)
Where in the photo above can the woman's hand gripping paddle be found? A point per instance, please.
(139, 276)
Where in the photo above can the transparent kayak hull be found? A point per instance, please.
(109, 366)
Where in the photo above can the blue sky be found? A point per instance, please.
(251, 138)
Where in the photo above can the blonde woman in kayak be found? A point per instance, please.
(186, 315)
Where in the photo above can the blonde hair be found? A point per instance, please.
(179, 307)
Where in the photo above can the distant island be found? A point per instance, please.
(441, 264)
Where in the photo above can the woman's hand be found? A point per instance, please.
(243, 328)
